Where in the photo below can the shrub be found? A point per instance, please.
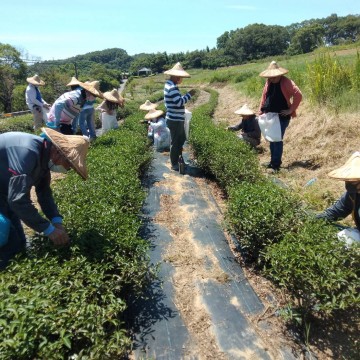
(58, 303)
(260, 214)
(24, 123)
(318, 270)
(220, 152)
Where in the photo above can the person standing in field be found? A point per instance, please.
(108, 110)
(74, 84)
(175, 111)
(280, 95)
(69, 105)
(34, 100)
(87, 113)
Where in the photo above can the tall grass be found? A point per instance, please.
(327, 80)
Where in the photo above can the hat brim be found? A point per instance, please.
(350, 171)
(269, 73)
(345, 173)
(148, 107)
(244, 112)
(113, 99)
(66, 144)
(91, 89)
(179, 73)
(34, 82)
(154, 115)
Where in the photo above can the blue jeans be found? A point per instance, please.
(75, 124)
(276, 148)
(87, 115)
(17, 240)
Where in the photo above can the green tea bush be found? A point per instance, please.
(318, 270)
(261, 213)
(61, 303)
(24, 123)
(219, 151)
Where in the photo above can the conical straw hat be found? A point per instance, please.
(113, 96)
(147, 105)
(350, 171)
(93, 87)
(35, 80)
(273, 70)
(244, 110)
(73, 147)
(74, 81)
(153, 114)
(177, 70)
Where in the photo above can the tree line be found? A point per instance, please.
(235, 47)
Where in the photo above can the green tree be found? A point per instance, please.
(12, 72)
(255, 41)
(307, 39)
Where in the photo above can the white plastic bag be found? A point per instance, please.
(45, 112)
(349, 236)
(269, 124)
(188, 115)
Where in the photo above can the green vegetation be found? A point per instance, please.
(58, 303)
(274, 228)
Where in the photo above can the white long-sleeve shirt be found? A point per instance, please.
(30, 96)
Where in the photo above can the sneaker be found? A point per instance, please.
(266, 165)
(273, 170)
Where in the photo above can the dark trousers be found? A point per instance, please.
(178, 137)
(276, 148)
(66, 129)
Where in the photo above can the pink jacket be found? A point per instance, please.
(289, 90)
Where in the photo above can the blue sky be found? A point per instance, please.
(60, 29)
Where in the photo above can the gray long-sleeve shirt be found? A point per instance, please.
(348, 203)
(23, 164)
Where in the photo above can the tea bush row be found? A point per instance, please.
(218, 152)
(61, 303)
(24, 123)
(274, 228)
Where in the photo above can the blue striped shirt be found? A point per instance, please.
(174, 102)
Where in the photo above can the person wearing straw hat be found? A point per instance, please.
(280, 95)
(349, 202)
(147, 105)
(87, 113)
(26, 162)
(158, 132)
(175, 111)
(69, 105)
(249, 126)
(34, 100)
(108, 109)
(74, 84)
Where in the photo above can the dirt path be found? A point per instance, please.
(221, 312)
